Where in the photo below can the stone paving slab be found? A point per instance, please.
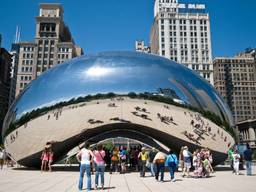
(66, 180)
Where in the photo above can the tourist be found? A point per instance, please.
(181, 159)
(236, 159)
(210, 158)
(196, 159)
(123, 155)
(136, 159)
(50, 156)
(84, 156)
(159, 161)
(1, 159)
(99, 155)
(151, 157)
(114, 161)
(132, 157)
(187, 161)
(248, 159)
(143, 156)
(107, 158)
(206, 166)
(45, 159)
(172, 163)
(9, 161)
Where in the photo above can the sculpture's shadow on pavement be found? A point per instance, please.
(74, 168)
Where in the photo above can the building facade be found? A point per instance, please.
(5, 66)
(235, 80)
(181, 32)
(247, 132)
(14, 69)
(53, 45)
(141, 47)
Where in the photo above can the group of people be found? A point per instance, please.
(5, 159)
(87, 159)
(237, 161)
(200, 160)
(47, 158)
(96, 160)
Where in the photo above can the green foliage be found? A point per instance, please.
(254, 154)
(109, 145)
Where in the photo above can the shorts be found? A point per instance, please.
(187, 165)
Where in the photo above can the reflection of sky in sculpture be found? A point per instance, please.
(118, 72)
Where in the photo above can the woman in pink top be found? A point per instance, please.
(50, 156)
(99, 155)
(44, 158)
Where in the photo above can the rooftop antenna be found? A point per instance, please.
(17, 35)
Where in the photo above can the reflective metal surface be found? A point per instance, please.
(120, 80)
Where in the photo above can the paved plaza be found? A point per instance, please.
(65, 180)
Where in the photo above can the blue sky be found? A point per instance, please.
(99, 25)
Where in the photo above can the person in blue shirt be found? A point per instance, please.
(172, 163)
(123, 156)
(248, 159)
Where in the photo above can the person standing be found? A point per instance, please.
(1, 158)
(143, 156)
(151, 157)
(248, 159)
(84, 156)
(123, 156)
(136, 159)
(44, 158)
(99, 155)
(114, 161)
(230, 155)
(187, 161)
(172, 163)
(50, 156)
(236, 159)
(159, 160)
(181, 159)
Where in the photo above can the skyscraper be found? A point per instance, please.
(235, 80)
(5, 66)
(181, 32)
(53, 45)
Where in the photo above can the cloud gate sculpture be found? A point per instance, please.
(129, 94)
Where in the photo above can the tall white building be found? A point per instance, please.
(181, 32)
(53, 45)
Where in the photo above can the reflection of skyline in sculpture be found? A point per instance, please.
(114, 73)
(168, 92)
(113, 91)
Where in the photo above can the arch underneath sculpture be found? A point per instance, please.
(138, 132)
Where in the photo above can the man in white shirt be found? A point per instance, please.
(85, 157)
(187, 161)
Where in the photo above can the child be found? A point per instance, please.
(236, 159)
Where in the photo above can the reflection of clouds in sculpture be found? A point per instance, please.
(97, 71)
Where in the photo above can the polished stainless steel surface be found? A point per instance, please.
(125, 76)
